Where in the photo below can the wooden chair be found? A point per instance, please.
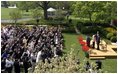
(103, 45)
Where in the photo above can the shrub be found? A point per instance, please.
(46, 22)
(66, 64)
(87, 24)
(102, 32)
(85, 30)
(15, 15)
(90, 30)
(113, 39)
(115, 33)
(79, 25)
(59, 18)
(103, 24)
(110, 29)
(69, 30)
(109, 35)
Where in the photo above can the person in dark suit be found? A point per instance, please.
(25, 62)
(99, 64)
(98, 40)
(17, 66)
(3, 62)
(87, 66)
(88, 41)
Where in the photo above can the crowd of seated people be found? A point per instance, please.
(23, 47)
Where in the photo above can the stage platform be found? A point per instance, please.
(109, 51)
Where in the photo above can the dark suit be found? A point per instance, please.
(98, 41)
(88, 41)
(16, 67)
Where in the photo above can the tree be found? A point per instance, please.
(110, 8)
(15, 15)
(95, 10)
(36, 14)
(87, 9)
(44, 6)
(11, 3)
(25, 5)
(61, 4)
(5, 4)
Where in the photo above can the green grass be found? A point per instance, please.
(109, 65)
(26, 14)
(5, 13)
(71, 39)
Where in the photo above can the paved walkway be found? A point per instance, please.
(11, 21)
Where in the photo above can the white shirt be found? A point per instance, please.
(24, 40)
(27, 52)
(33, 56)
(38, 56)
(55, 55)
(5, 30)
(9, 63)
(31, 45)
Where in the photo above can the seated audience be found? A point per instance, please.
(29, 46)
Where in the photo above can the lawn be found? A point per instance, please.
(109, 65)
(5, 13)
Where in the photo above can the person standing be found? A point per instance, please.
(87, 66)
(17, 66)
(99, 64)
(93, 38)
(88, 41)
(33, 60)
(24, 41)
(9, 64)
(98, 40)
(38, 58)
(25, 62)
(3, 62)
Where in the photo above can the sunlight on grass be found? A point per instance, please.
(109, 65)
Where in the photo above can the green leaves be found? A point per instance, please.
(15, 15)
(36, 13)
(64, 64)
(25, 5)
(95, 10)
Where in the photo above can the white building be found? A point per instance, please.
(51, 12)
(13, 6)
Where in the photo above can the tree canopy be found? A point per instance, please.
(100, 11)
(95, 10)
(36, 14)
(25, 5)
(15, 15)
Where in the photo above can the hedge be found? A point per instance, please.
(109, 35)
(113, 39)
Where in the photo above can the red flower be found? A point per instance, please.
(85, 48)
(82, 43)
(80, 38)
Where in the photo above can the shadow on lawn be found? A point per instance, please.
(71, 33)
(111, 57)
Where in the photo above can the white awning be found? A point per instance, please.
(51, 10)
